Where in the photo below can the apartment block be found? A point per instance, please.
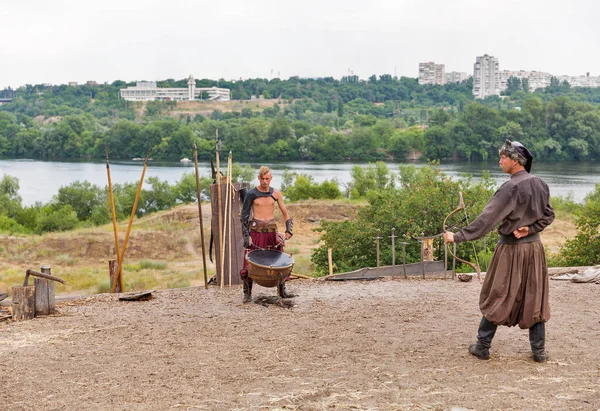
(486, 76)
(456, 77)
(431, 73)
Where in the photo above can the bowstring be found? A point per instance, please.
(472, 243)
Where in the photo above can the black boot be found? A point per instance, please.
(485, 334)
(537, 339)
(247, 290)
(283, 292)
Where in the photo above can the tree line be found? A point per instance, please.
(382, 118)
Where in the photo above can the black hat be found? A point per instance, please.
(518, 152)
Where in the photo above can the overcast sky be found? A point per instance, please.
(57, 41)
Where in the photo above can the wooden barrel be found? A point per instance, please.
(269, 267)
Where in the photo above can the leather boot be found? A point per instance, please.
(283, 292)
(247, 290)
(485, 334)
(537, 339)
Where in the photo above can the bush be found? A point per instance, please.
(83, 198)
(583, 249)
(62, 219)
(420, 205)
(10, 226)
(304, 188)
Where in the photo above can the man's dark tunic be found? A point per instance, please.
(515, 290)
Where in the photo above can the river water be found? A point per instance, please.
(40, 180)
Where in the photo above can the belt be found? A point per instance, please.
(263, 228)
(511, 239)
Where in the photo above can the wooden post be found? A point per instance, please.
(45, 291)
(112, 270)
(330, 261)
(23, 303)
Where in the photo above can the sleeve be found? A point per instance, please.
(500, 206)
(245, 217)
(543, 222)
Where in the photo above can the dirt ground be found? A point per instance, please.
(375, 345)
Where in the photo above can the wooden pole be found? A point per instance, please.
(230, 190)
(114, 221)
(330, 261)
(113, 265)
(223, 242)
(219, 214)
(119, 275)
(200, 215)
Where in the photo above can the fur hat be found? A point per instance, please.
(518, 152)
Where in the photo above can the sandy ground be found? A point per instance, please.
(374, 345)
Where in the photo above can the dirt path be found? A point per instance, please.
(377, 345)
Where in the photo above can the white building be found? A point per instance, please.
(581, 81)
(456, 77)
(486, 77)
(147, 91)
(536, 79)
(431, 73)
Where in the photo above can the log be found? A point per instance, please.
(45, 291)
(23, 303)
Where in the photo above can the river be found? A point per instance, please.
(40, 180)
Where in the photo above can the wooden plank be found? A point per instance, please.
(141, 296)
(23, 302)
(237, 247)
(431, 268)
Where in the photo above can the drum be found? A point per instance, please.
(269, 267)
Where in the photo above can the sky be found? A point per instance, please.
(58, 41)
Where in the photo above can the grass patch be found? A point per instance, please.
(65, 259)
(302, 265)
(10, 278)
(152, 265)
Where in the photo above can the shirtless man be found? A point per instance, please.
(260, 230)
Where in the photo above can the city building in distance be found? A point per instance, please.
(148, 91)
(431, 73)
(456, 77)
(486, 76)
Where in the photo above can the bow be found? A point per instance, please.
(461, 206)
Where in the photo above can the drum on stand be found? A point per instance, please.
(269, 267)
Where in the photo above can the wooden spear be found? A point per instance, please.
(114, 215)
(230, 191)
(137, 197)
(200, 215)
(223, 242)
(219, 213)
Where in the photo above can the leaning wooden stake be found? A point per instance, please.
(200, 215)
(219, 213)
(119, 276)
(223, 242)
(114, 222)
(230, 192)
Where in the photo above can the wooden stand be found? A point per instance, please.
(23, 303)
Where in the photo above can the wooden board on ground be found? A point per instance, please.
(141, 296)
(430, 268)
